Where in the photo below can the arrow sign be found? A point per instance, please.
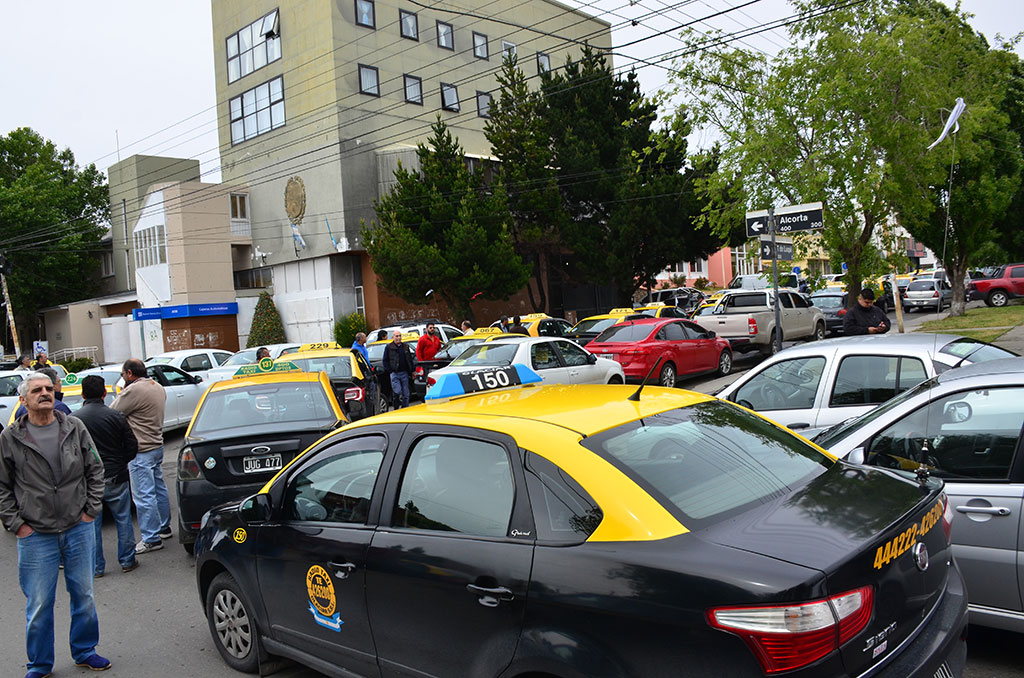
(783, 248)
(790, 219)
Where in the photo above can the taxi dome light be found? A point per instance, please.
(455, 384)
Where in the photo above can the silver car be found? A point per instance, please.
(817, 385)
(929, 294)
(965, 427)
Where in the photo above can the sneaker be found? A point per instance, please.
(97, 575)
(146, 547)
(166, 533)
(95, 662)
(37, 674)
(129, 568)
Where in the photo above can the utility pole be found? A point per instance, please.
(5, 268)
(775, 278)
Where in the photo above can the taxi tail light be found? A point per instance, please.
(188, 465)
(418, 372)
(947, 517)
(354, 393)
(788, 637)
(431, 381)
(751, 326)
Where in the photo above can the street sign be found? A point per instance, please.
(796, 270)
(789, 219)
(783, 249)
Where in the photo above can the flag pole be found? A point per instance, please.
(946, 225)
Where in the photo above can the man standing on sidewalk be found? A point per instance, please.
(51, 488)
(142, 402)
(117, 447)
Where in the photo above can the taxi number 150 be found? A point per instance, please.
(486, 380)
(899, 544)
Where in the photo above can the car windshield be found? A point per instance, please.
(9, 385)
(919, 285)
(827, 302)
(247, 357)
(595, 326)
(336, 367)
(159, 360)
(706, 310)
(711, 461)
(831, 436)
(623, 333)
(453, 349)
(487, 354)
(300, 405)
(975, 351)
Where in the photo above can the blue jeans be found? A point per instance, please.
(118, 498)
(400, 389)
(38, 558)
(150, 494)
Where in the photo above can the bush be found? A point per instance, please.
(702, 284)
(266, 324)
(74, 365)
(347, 327)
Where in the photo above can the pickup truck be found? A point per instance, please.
(747, 319)
(1006, 284)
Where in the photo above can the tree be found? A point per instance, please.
(440, 231)
(266, 327)
(628, 188)
(52, 216)
(1009, 230)
(844, 116)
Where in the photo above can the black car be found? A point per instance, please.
(833, 305)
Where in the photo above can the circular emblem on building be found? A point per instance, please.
(295, 200)
(321, 590)
(239, 535)
(266, 364)
(921, 556)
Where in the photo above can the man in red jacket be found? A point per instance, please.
(428, 345)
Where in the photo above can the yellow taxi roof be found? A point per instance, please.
(268, 378)
(651, 307)
(320, 353)
(533, 317)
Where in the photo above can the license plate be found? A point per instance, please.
(267, 462)
(943, 672)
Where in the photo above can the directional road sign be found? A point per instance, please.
(789, 219)
(782, 248)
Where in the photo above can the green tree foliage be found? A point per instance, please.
(266, 325)
(73, 365)
(52, 216)
(627, 187)
(1010, 228)
(440, 231)
(347, 327)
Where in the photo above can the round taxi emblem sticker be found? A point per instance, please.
(266, 364)
(239, 535)
(322, 603)
(71, 379)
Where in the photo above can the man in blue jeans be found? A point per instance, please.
(399, 364)
(117, 447)
(51, 489)
(142, 401)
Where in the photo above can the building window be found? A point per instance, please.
(480, 45)
(483, 104)
(543, 63)
(369, 80)
(410, 24)
(150, 246)
(508, 48)
(445, 36)
(239, 206)
(254, 278)
(257, 110)
(107, 264)
(698, 267)
(449, 97)
(253, 47)
(360, 301)
(413, 89)
(365, 14)
(741, 264)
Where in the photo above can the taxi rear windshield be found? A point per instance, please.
(487, 354)
(828, 302)
(336, 367)
(453, 349)
(594, 325)
(710, 461)
(623, 333)
(301, 405)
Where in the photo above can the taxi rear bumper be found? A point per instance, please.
(196, 497)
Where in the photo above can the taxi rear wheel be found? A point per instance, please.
(232, 625)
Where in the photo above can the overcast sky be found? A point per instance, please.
(85, 74)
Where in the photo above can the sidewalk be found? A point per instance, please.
(1012, 340)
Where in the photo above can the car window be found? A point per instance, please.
(674, 332)
(1017, 272)
(573, 355)
(337, 486)
(300, 404)
(195, 363)
(785, 385)
(220, 357)
(970, 434)
(336, 367)
(828, 302)
(562, 509)
(920, 285)
(456, 485)
(543, 356)
(246, 357)
(9, 386)
(451, 331)
(160, 360)
(746, 300)
(871, 380)
(975, 351)
(487, 354)
(801, 301)
(709, 461)
(694, 331)
(785, 300)
(596, 326)
(175, 377)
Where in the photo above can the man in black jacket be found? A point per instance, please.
(399, 364)
(864, 317)
(117, 446)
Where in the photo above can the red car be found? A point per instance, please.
(684, 347)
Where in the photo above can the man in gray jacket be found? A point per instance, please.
(51, 490)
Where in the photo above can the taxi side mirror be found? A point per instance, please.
(856, 456)
(255, 509)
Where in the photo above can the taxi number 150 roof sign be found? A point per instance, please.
(266, 366)
(487, 379)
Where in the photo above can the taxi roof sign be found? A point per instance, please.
(454, 384)
(320, 346)
(262, 368)
(534, 316)
(621, 311)
(484, 331)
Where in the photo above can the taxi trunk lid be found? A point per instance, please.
(859, 527)
(239, 460)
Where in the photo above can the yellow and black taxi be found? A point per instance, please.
(245, 430)
(540, 325)
(571, 531)
(586, 330)
(351, 376)
(661, 310)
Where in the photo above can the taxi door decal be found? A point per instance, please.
(322, 601)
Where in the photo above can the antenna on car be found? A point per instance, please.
(636, 396)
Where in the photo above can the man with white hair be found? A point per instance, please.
(51, 490)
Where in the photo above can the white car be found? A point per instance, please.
(445, 331)
(183, 393)
(110, 374)
(9, 382)
(197, 361)
(246, 357)
(556, 360)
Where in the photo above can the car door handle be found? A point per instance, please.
(342, 570)
(798, 425)
(490, 597)
(988, 510)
